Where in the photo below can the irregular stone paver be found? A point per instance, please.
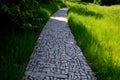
(56, 55)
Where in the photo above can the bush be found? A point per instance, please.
(110, 2)
(104, 2)
(21, 22)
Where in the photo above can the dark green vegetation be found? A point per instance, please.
(96, 29)
(21, 23)
(104, 2)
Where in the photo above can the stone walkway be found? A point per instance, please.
(56, 55)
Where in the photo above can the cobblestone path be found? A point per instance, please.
(56, 55)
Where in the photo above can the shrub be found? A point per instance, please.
(110, 2)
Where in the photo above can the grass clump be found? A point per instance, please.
(96, 30)
(21, 23)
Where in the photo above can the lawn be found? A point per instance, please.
(96, 30)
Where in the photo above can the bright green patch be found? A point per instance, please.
(96, 29)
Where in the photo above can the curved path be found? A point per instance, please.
(56, 55)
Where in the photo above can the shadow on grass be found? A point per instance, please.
(94, 52)
(98, 57)
(15, 51)
(83, 37)
(86, 12)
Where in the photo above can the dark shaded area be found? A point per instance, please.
(5, 21)
(15, 50)
(104, 2)
(8, 26)
(109, 2)
(16, 45)
(21, 22)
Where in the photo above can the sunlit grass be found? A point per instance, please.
(96, 29)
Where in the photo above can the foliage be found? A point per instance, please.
(25, 12)
(21, 22)
(96, 30)
(103, 2)
(110, 2)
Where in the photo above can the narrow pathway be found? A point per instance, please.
(56, 55)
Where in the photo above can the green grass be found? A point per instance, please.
(17, 44)
(15, 52)
(96, 30)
